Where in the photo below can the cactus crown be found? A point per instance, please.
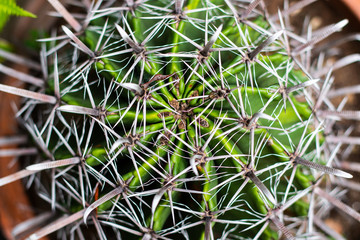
(178, 119)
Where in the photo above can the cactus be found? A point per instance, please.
(179, 120)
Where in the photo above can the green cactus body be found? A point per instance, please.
(196, 98)
(188, 122)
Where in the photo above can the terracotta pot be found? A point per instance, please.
(354, 7)
(14, 204)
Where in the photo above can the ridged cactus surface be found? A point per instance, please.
(178, 120)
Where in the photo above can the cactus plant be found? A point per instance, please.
(180, 120)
